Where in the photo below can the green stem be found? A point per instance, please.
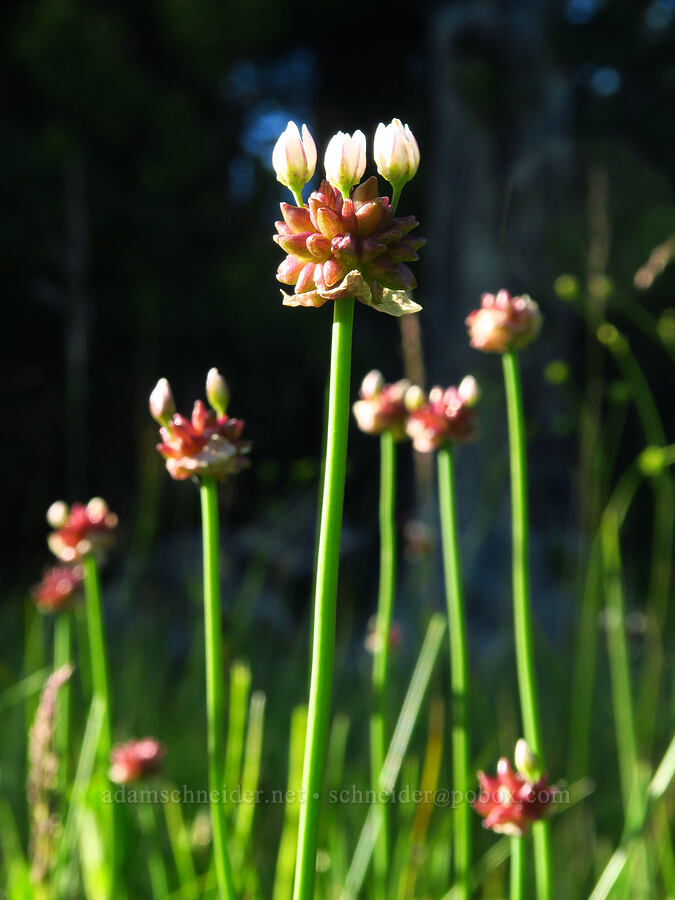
(395, 197)
(148, 823)
(214, 683)
(97, 646)
(298, 197)
(62, 655)
(325, 597)
(459, 666)
(522, 613)
(385, 605)
(517, 867)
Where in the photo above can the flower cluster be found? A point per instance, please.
(504, 322)
(59, 588)
(81, 529)
(135, 759)
(444, 416)
(208, 443)
(447, 416)
(347, 241)
(510, 801)
(382, 407)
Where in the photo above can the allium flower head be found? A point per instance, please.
(135, 759)
(345, 160)
(382, 406)
(209, 443)
(510, 801)
(59, 588)
(447, 416)
(396, 152)
(82, 529)
(348, 248)
(504, 323)
(294, 157)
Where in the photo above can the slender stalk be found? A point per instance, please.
(459, 667)
(517, 867)
(148, 824)
(62, 654)
(385, 605)
(214, 683)
(522, 613)
(325, 597)
(97, 645)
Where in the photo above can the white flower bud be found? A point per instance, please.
(294, 157)
(345, 160)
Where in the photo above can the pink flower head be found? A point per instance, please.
(348, 248)
(135, 759)
(81, 529)
(447, 416)
(59, 588)
(209, 443)
(382, 406)
(504, 322)
(509, 802)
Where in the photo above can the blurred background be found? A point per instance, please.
(139, 201)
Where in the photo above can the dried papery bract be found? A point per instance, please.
(81, 529)
(45, 824)
(504, 323)
(135, 759)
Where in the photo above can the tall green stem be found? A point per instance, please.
(325, 597)
(522, 613)
(459, 667)
(385, 605)
(517, 868)
(62, 654)
(97, 645)
(214, 684)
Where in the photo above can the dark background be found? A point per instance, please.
(139, 201)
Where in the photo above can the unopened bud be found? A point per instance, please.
(372, 384)
(396, 153)
(217, 392)
(294, 157)
(415, 398)
(345, 160)
(469, 391)
(57, 514)
(162, 406)
(527, 761)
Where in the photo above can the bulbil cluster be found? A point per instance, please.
(59, 589)
(511, 801)
(135, 760)
(80, 529)
(209, 442)
(504, 323)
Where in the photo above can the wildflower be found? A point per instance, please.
(135, 759)
(294, 157)
(447, 416)
(58, 589)
(382, 406)
(504, 323)
(209, 443)
(42, 775)
(345, 160)
(510, 801)
(80, 530)
(396, 153)
(348, 248)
